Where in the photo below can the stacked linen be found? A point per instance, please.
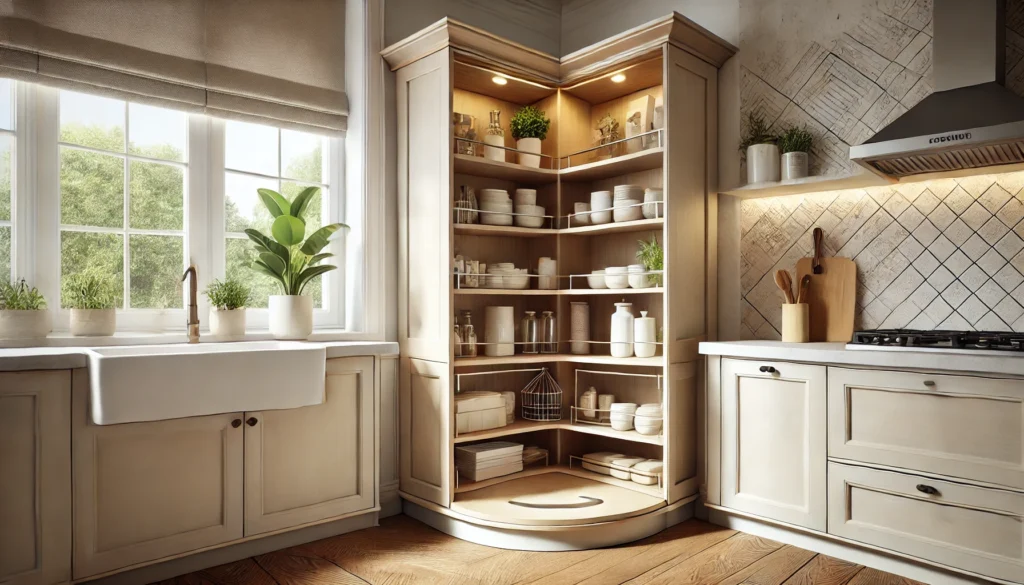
(479, 411)
(489, 460)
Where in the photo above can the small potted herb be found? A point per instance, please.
(23, 313)
(91, 298)
(795, 143)
(228, 299)
(652, 256)
(529, 127)
(760, 144)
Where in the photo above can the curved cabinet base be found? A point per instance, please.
(547, 538)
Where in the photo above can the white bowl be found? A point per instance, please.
(535, 210)
(628, 210)
(636, 277)
(491, 218)
(616, 277)
(525, 197)
(496, 195)
(600, 199)
(519, 281)
(529, 221)
(623, 407)
(596, 279)
(622, 422)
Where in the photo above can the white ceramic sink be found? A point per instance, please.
(157, 382)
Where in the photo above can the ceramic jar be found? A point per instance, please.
(762, 163)
(530, 145)
(291, 316)
(645, 336)
(93, 322)
(499, 331)
(547, 268)
(794, 165)
(579, 323)
(622, 330)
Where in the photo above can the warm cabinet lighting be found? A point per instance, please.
(618, 78)
(499, 80)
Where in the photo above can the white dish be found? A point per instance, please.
(616, 277)
(627, 210)
(597, 279)
(626, 462)
(525, 197)
(650, 466)
(529, 221)
(518, 281)
(637, 278)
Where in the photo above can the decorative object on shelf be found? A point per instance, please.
(599, 462)
(627, 203)
(653, 203)
(760, 143)
(645, 334)
(579, 323)
(292, 259)
(547, 268)
(23, 313)
(604, 406)
(652, 256)
(479, 411)
(91, 298)
(581, 214)
(228, 299)
(600, 207)
(457, 335)
(622, 330)
(795, 143)
(622, 415)
(639, 119)
(616, 277)
(588, 403)
(638, 277)
(542, 398)
(467, 272)
(622, 466)
(464, 126)
(596, 280)
(529, 336)
(648, 419)
(495, 207)
(659, 122)
(466, 209)
(607, 132)
(548, 333)
(468, 335)
(649, 472)
(510, 406)
(499, 331)
(495, 136)
(529, 126)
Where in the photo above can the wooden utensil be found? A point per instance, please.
(831, 293)
(801, 295)
(785, 284)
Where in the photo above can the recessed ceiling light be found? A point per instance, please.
(618, 78)
(499, 80)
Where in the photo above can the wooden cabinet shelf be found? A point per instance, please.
(635, 162)
(468, 486)
(561, 292)
(529, 426)
(493, 169)
(475, 229)
(641, 225)
(540, 358)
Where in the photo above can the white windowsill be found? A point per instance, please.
(65, 339)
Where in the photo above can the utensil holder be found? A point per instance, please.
(795, 322)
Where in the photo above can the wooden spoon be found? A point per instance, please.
(805, 283)
(785, 284)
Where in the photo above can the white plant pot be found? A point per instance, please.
(762, 163)
(794, 165)
(529, 145)
(291, 316)
(24, 324)
(93, 322)
(622, 331)
(490, 153)
(227, 324)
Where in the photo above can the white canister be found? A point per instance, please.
(579, 323)
(494, 153)
(547, 268)
(291, 316)
(600, 207)
(762, 163)
(499, 331)
(645, 336)
(794, 165)
(531, 145)
(622, 330)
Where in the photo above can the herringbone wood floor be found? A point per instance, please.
(403, 551)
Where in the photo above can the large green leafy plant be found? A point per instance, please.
(287, 255)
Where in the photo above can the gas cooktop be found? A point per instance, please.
(978, 340)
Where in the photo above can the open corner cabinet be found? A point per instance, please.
(449, 69)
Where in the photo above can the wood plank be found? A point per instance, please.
(869, 576)
(289, 569)
(244, 572)
(713, 564)
(823, 570)
(514, 566)
(772, 569)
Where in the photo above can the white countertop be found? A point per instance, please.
(897, 358)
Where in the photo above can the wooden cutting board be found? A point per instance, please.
(832, 294)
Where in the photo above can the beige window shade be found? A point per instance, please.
(278, 62)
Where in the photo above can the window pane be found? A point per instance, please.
(5, 253)
(240, 255)
(314, 211)
(93, 121)
(157, 196)
(242, 205)
(302, 156)
(91, 188)
(156, 267)
(81, 251)
(157, 132)
(7, 104)
(6, 150)
(250, 147)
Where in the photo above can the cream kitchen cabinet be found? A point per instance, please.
(425, 439)
(773, 460)
(35, 477)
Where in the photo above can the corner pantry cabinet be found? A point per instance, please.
(453, 71)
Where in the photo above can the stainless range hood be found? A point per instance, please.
(971, 120)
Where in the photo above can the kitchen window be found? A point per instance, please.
(8, 141)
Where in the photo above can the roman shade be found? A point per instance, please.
(278, 62)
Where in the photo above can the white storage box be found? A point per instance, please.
(652, 466)
(480, 400)
(491, 472)
(486, 451)
(626, 462)
(599, 462)
(480, 420)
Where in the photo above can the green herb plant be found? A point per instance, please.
(757, 132)
(18, 296)
(652, 256)
(795, 139)
(88, 290)
(529, 122)
(287, 255)
(228, 294)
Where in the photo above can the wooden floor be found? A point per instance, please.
(402, 550)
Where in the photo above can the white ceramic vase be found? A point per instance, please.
(227, 324)
(499, 331)
(491, 153)
(762, 163)
(24, 324)
(93, 322)
(547, 268)
(579, 323)
(622, 330)
(531, 145)
(291, 316)
(645, 336)
(794, 165)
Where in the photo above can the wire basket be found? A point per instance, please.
(542, 398)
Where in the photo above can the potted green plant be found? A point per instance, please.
(795, 143)
(292, 259)
(652, 256)
(228, 299)
(761, 146)
(92, 299)
(23, 313)
(529, 127)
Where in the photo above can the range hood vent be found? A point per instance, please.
(971, 120)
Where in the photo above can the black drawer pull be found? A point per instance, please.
(768, 370)
(929, 383)
(927, 489)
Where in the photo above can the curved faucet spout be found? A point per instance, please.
(193, 308)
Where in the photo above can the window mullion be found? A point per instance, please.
(215, 197)
(126, 202)
(47, 192)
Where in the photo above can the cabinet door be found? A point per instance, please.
(309, 464)
(425, 436)
(35, 478)
(145, 491)
(773, 440)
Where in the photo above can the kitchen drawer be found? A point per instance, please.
(970, 528)
(960, 426)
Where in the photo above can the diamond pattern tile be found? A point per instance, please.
(975, 247)
(991, 293)
(958, 232)
(942, 216)
(993, 230)
(1009, 245)
(991, 262)
(975, 216)
(994, 198)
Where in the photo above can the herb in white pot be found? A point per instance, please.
(23, 313)
(795, 143)
(529, 127)
(92, 299)
(760, 144)
(228, 299)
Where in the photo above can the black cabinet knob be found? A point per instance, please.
(927, 489)
(251, 421)
(236, 423)
(768, 370)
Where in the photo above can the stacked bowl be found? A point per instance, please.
(600, 207)
(627, 202)
(495, 207)
(505, 275)
(622, 415)
(648, 419)
(528, 213)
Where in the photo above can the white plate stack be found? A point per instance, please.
(627, 200)
(488, 460)
(495, 207)
(528, 213)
